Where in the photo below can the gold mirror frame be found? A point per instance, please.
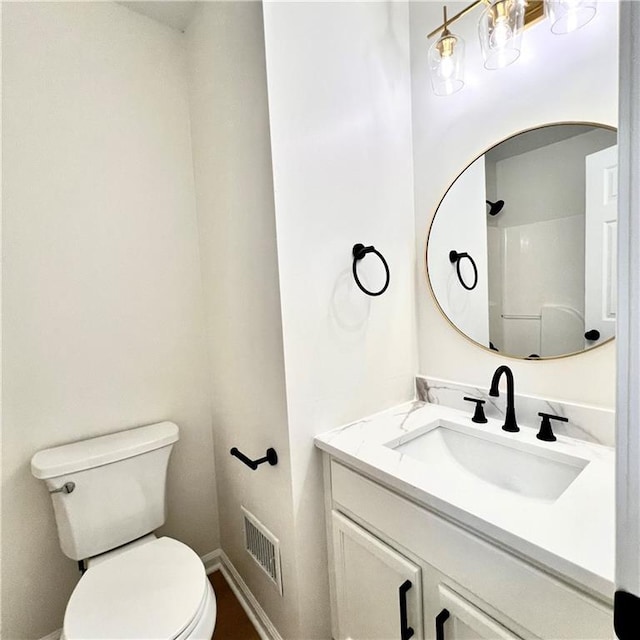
(435, 212)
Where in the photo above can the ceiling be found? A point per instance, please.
(174, 14)
(536, 139)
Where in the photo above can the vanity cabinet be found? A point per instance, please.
(468, 587)
(379, 595)
(379, 592)
(459, 619)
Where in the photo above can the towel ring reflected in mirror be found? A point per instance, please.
(456, 258)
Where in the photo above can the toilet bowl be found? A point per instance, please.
(155, 590)
(108, 497)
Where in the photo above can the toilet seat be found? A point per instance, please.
(201, 627)
(155, 590)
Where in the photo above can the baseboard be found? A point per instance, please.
(54, 635)
(212, 561)
(218, 560)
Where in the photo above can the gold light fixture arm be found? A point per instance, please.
(458, 15)
(445, 30)
(534, 11)
(447, 42)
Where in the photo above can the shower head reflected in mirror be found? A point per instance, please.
(495, 207)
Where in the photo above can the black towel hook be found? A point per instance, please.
(359, 251)
(456, 257)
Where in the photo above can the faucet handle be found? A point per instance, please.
(546, 432)
(478, 415)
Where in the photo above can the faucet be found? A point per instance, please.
(510, 423)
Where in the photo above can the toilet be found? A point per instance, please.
(108, 496)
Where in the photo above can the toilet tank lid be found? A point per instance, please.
(95, 452)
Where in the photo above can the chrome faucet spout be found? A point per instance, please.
(510, 423)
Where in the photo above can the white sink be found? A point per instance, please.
(467, 454)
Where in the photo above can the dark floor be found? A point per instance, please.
(231, 621)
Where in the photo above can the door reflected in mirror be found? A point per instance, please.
(536, 215)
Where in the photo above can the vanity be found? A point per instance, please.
(441, 528)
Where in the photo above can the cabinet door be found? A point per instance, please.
(459, 619)
(378, 591)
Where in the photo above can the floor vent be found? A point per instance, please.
(263, 547)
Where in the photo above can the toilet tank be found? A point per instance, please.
(119, 487)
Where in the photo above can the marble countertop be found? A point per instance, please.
(572, 536)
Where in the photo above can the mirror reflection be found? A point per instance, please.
(521, 255)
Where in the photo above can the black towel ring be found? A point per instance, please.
(359, 251)
(456, 257)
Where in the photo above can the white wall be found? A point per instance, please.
(103, 324)
(339, 102)
(234, 187)
(547, 183)
(557, 78)
(542, 265)
(494, 277)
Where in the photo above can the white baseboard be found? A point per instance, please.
(54, 635)
(218, 560)
(212, 561)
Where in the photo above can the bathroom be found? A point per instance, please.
(183, 184)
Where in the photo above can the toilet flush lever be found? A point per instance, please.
(67, 487)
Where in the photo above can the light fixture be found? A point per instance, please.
(569, 15)
(446, 62)
(500, 31)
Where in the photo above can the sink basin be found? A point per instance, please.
(467, 455)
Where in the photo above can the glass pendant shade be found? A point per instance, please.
(500, 30)
(446, 64)
(569, 15)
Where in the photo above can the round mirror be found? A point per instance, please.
(521, 254)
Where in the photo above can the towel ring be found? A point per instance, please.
(359, 251)
(456, 257)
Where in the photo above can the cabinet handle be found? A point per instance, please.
(441, 618)
(406, 631)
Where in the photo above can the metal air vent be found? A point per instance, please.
(263, 547)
